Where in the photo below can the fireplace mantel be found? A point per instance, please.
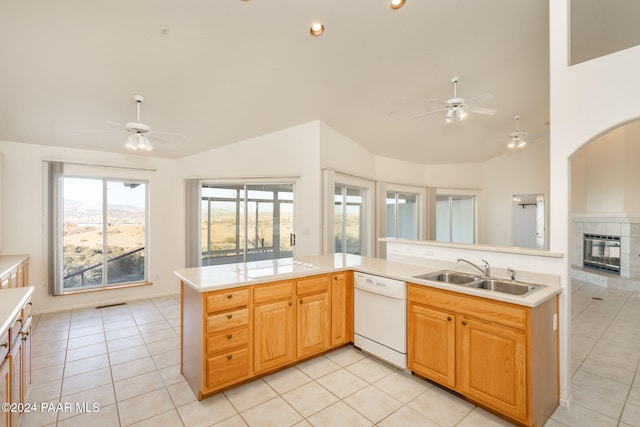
(618, 217)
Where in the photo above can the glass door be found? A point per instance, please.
(246, 222)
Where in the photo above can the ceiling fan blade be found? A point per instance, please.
(95, 131)
(437, 101)
(428, 113)
(157, 132)
(114, 123)
(481, 110)
(480, 98)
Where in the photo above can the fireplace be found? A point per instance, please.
(602, 253)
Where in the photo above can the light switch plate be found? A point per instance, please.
(555, 321)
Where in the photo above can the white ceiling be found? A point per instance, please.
(229, 70)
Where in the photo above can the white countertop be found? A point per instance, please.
(8, 262)
(212, 278)
(11, 302)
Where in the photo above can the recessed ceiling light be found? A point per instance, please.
(397, 4)
(316, 29)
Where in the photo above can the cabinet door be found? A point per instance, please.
(313, 321)
(341, 309)
(432, 344)
(274, 335)
(16, 380)
(493, 366)
(5, 391)
(25, 335)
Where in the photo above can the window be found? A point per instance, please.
(349, 223)
(455, 218)
(246, 222)
(104, 232)
(402, 215)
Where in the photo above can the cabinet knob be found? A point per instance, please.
(229, 296)
(449, 318)
(229, 336)
(335, 277)
(229, 316)
(290, 302)
(29, 303)
(464, 323)
(301, 301)
(229, 356)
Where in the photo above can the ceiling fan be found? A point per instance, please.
(140, 133)
(517, 136)
(457, 108)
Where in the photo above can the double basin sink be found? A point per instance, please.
(511, 287)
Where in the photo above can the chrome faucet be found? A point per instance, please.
(512, 273)
(486, 271)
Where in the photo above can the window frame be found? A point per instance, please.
(105, 180)
(474, 195)
(421, 204)
(245, 185)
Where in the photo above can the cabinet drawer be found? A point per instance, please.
(481, 308)
(229, 320)
(313, 285)
(275, 292)
(26, 311)
(4, 346)
(224, 300)
(227, 368)
(14, 330)
(226, 340)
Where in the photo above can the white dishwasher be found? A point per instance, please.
(380, 317)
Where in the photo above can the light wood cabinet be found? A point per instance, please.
(493, 364)
(313, 319)
(341, 308)
(5, 391)
(432, 347)
(483, 349)
(16, 277)
(274, 326)
(15, 368)
(231, 336)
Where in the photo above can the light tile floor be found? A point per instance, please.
(126, 360)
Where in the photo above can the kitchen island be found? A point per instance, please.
(242, 321)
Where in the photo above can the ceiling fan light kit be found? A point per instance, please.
(138, 142)
(517, 137)
(137, 139)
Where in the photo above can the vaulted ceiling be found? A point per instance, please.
(225, 70)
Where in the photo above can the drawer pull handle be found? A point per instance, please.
(229, 316)
(449, 318)
(5, 345)
(29, 303)
(464, 323)
(229, 356)
(229, 296)
(229, 336)
(290, 302)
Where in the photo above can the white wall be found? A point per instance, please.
(587, 100)
(523, 172)
(605, 174)
(23, 220)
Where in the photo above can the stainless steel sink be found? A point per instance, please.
(504, 286)
(474, 281)
(449, 276)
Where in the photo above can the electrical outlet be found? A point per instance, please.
(555, 321)
(406, 250)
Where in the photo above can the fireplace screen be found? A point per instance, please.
(602, 252)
